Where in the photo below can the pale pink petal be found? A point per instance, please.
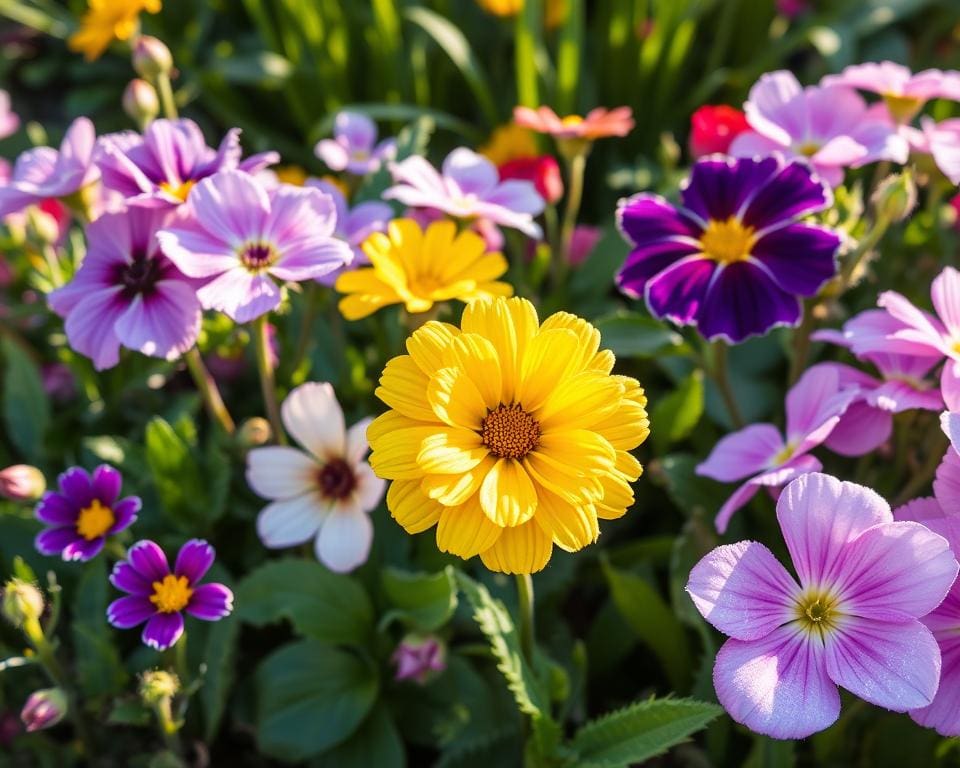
(289, 522)
(945, 293)
(231, 205)
(950, 390)
(774, 107)
(370, 488)
(950, 424)
(753, 144)
(240, 295)
(314, 419)
(946, 486)
(280, 472)
(742, 453)
(921, 328)
(861, 429)
(344, 541)
(814, 406)
(356, 446)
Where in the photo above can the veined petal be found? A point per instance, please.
(943, 714)
(466, 531)
(312, 415)
(580, 401)
(452, 490)
(743, 453)
(396, 442)
(570, 526)
(522, 549)
(510, 326)
(557, 477)
(617, 497)
(455, 399)
(476, 357)
(507, 494)
(403, 386)
(587, 335)
(579, 449)
(450, 451)
(428, 344)
(546, 363)
(410, 507)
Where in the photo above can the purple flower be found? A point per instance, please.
(127, 293)
(759, 452)
(9, 121)
(418, 658)
(941, 141)
(157, 595)
(161, 167)
(354, 147)
(83, 513)
(832, 126)
(44, 172)
(734, 257)
(240, 235)
(469, 187)
(850, 619)
(44, 709)
(354, 225)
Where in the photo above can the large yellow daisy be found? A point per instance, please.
(418, 268)
(507, 434)
(106, 21)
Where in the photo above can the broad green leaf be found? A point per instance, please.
(320, 605)
(424, 601)
(220, 657)
(99, 668)
(311, 697)
(640, 731)
(26, 408)
(376, 742)
(675, 416)
(692, 493)
(629, 334)
(129, 712)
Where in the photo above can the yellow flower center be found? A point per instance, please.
(172, 594)
(510, 432)
(727, 241)
(808, 148)
(257, 256)
(179, 191)
(818, 611)
(902, 108)
(785, 454)
(94, 520)
(571, 120)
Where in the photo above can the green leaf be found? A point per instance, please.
(640, 731)
(23, 571)
(221, 653)
(321, 605)
(26, 408)
(129, 712)
(311, 697)
(376, 743)
(676, 415)
(99, 669)
(629, 334)
(424, 601)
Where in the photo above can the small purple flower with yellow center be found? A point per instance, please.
(158, 595)
(734, 258)
(851, 618)
(240, 236)
(85, 510)
(354, 146)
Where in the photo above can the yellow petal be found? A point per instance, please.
(439, 250)
(603, 361)
(547, 361)
(403, 386)
(487, 291)
(455, 400)
(451, 490)
(450, 451)
(579, 449)
(628, 466)
(524, 549)
(571, 526)
(509, 324)
(617, 497)
(507, 494)
(481, 267)
(629, 426)
(427, 344)
(477, 358)
(588, 337)
(465, 531)
(410, 507)
(582, 400)
(569, 483)
(395, 443)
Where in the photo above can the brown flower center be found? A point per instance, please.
(258, 256)
(510, 432)
(336, 479)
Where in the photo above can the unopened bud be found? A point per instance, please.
(22, 602)
(151, 57)
(895, 197)
(157, 685)
(44, 709)
(140, 101)
(254, 432)
(21, 482)
(418, 658)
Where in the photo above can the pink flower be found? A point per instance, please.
(418, 658)
(942, 142)
(9, 121)
(832, 126)
(850, 619)
(759, 452)
(44, 709)
(713, 129)
(598, 124)
(354, 146)
(585, 239)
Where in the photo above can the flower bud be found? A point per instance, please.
(21, 482)
(44, 709)
(22, 602)
(417, 658)
(151, 57)
(713, 127)
(895, 196)
(254, 432)
(140, 101)
(157, 685)
(543, 171)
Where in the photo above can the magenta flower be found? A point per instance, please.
(158, 596)
(239, 236)
(44, 709)
(734, 257)
(83, 513)
(161, 167)
(126, 293)
(942, 142)
(419, 658)
(850, 619)
(831, 126)
(44, 172)
(354, 225)
(354, 146)
(468, 188)
(759, 452)
(9, 121)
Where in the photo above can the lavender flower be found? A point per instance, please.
(354, 147)
(9, 120)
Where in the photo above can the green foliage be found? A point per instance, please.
(677, 414)
(99, 671)
(375, 743)
(630, 334)
(26, 408)
(425, 602)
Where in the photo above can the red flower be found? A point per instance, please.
(713, 128)
(543, 171)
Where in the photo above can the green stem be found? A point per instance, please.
(801, 344)
(310, 307)
(721, 377)
(53, 264)
(209, 392)
(167, 725)
(576, 166)
(268, 385)
(167, 100)
(525, 601)
(864, 247)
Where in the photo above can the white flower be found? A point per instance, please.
(325, 491)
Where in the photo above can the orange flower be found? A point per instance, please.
(598, 124)
(106, 21)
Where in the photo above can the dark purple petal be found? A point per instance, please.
(75, 484)
(744, 301)
(794, 192)
(53, 540)
(148, 559)
(194, 560)
(646, 261)
(125, 513)
(719, 186)
(677, 292)
(163, 630)
(647, 217)
(128, 612)
(80, 549)
(128, 579)
(210, 602)
(106, 484)
(55, 509)
(801, 257)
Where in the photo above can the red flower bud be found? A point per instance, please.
(543, 171)
(713, 128)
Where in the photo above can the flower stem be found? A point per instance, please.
(311, 300)
(525, 601)
(721, 377)
(864, 247)
(167, 100)
(261, 341)
(801, 344)
(576, 167)
(209, 392)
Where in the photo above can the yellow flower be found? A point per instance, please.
(290, 174)
(509, 142)
(507, 434)
(417, 268)
(555, 11)
(106, 21)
